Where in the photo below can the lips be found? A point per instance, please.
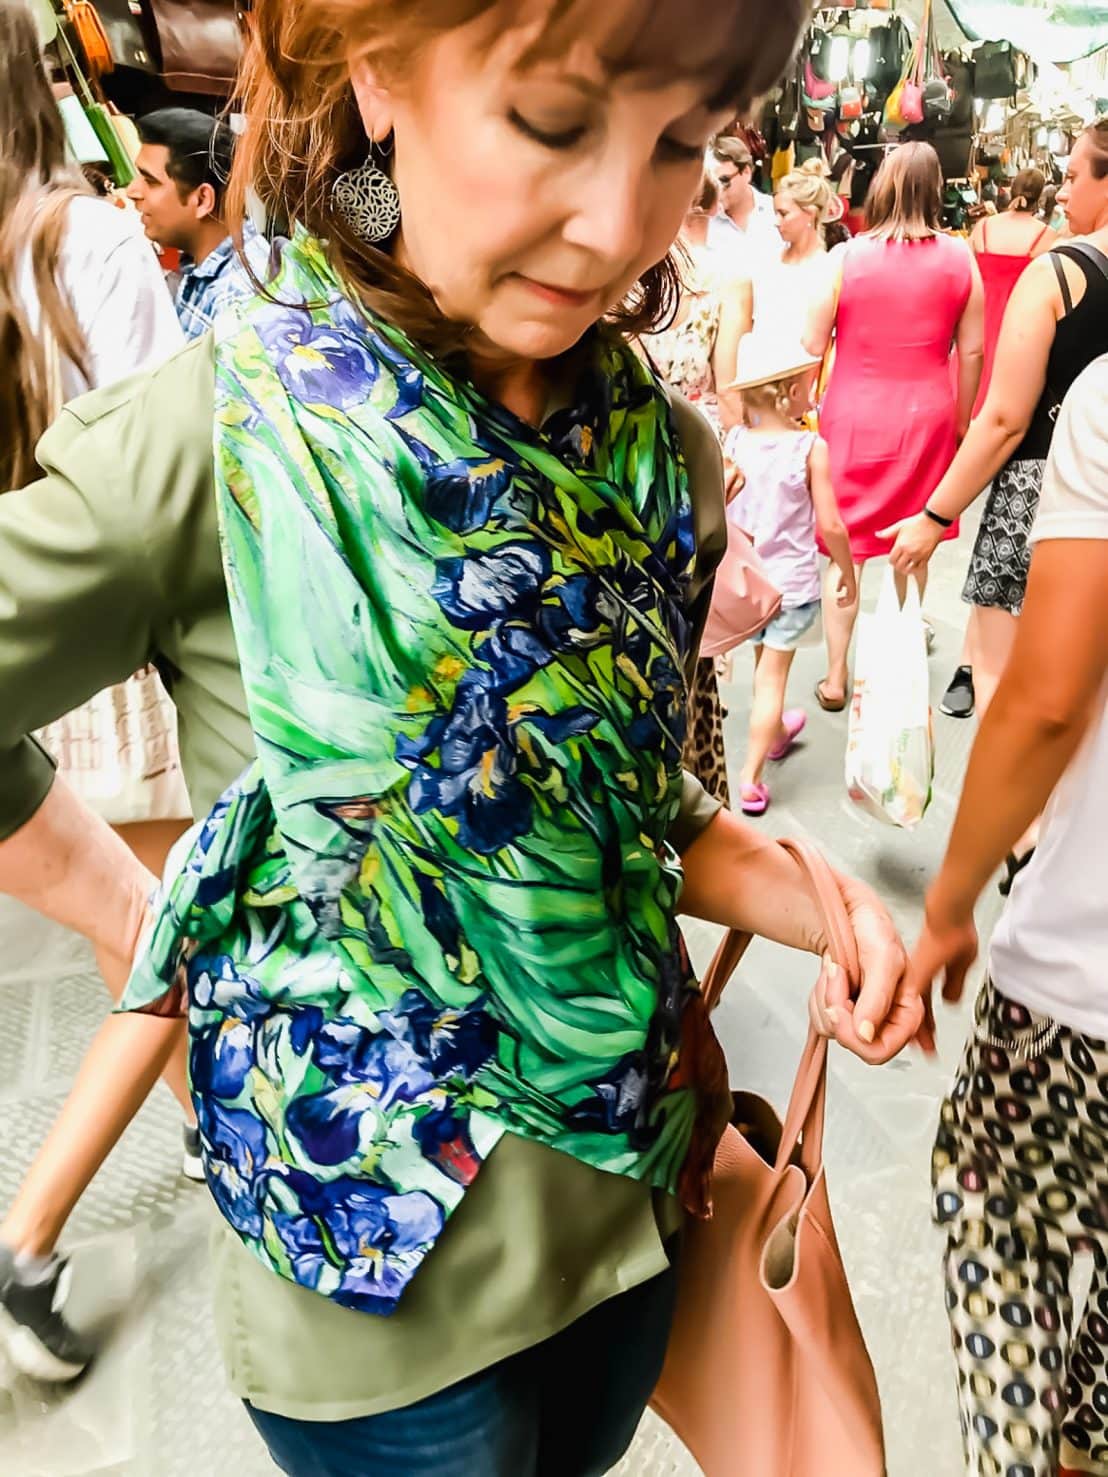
(562, 297)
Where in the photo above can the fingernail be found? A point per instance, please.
(832, 1016)
(866, 1031)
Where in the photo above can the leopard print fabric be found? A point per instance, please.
(704, 753)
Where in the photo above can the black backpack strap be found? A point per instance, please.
(1063, 281)
(1089, 252)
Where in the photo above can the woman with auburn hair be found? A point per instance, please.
(428, 937)
(903, 297)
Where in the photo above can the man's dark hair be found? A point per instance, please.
(201, 148)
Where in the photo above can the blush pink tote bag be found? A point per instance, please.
(744, 600)
(767, 1373)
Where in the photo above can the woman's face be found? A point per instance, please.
(534, 193)
(794, 223)
(1083, 197)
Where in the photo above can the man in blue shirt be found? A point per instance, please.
(183, 166)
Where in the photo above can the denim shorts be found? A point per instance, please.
(788, 627)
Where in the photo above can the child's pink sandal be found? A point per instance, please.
(755, 799)
(793, 723)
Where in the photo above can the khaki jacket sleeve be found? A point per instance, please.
(84, 554)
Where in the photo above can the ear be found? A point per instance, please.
(204, 200)
(374, 101)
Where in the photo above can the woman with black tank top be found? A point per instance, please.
(1055, 325)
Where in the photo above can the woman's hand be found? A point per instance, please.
(946, 949)
(846, 588)
(886, 1013)
(916, 539)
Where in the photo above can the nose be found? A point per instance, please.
(134, 190)
(609, 210)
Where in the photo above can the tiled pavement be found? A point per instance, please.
(155, 1406)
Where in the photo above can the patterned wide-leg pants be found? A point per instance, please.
(1020, 1173)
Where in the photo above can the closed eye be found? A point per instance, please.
(676, 152)
(564, 138)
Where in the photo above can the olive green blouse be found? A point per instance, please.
(112, 560)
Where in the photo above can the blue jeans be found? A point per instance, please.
(567, 1408)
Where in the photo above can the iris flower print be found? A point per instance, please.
(507, 581)
(319, 364)
(373, 1072)
(462, 494)
(444, 1138)
(217, 983)
(476, 780)
(235, 1158)
(378, 1235)
(221, 1056)
(452, 1041)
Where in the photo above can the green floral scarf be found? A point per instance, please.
(438, 907)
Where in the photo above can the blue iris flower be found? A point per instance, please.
(372, 1072)
(621, 1103)
(377, 1233)
(303, 1242)
(444, 1138)
(476, 779)
(216, 983)
(452, 1041)
(462, 494)
(320, 364)
(221, 1058)
(235, 1158)
(504, 582)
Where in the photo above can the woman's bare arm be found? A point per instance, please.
(969, 340)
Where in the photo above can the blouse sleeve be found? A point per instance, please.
(123, 306)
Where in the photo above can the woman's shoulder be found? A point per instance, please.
(177, 397)
(94, 227)
(146, 439)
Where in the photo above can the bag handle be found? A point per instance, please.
(807, 1106)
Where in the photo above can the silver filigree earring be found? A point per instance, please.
(367, 199)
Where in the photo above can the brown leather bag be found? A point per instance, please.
(200, 43)
(767, 1373)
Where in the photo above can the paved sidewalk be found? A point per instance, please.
(155, 1404)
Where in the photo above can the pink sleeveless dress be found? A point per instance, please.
(1000, 272)
(890, 413)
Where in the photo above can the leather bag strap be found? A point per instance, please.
(804, 1119)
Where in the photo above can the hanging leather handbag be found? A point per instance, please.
(92, 42)
(817, 94)
(766, 1373)
(994, 70)
(199, 44)
(129, 35)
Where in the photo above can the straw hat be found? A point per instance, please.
(764, 358)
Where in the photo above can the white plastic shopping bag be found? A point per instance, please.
(890, 753)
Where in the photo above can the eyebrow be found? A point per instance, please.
(151, 179)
